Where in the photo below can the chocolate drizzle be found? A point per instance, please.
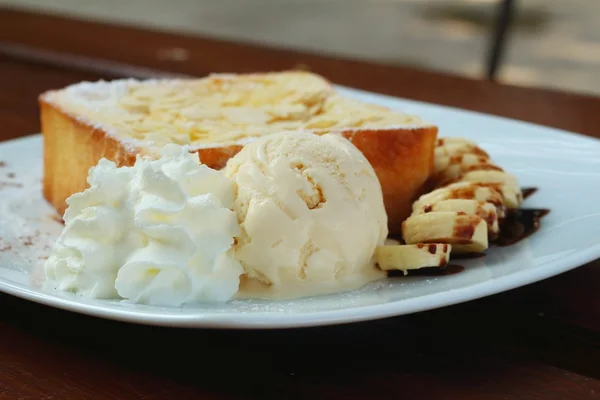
(432, 248)
(468, 255)
(516, 226)
(449, 269)
(520, 224)
(527, 192)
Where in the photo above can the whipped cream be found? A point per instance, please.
(158, 233)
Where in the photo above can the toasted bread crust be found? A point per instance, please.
(71, 148)
(401, 157)
(216, 157)
(403, 160)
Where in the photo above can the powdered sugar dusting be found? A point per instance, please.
(27, 230)
(95, 104)
(29, 226)
(208, 113)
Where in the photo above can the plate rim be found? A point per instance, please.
(479, 114)
(287, 320)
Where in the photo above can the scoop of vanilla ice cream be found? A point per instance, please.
(311, 213)
(158, 233)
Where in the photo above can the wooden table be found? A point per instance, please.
(537, 342)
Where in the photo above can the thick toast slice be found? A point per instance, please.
(216, 116)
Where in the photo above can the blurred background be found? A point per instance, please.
(549, 43)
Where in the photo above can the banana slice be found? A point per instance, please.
(412, 256)
(506, 183)
(449, 168)
(443, 141)
(466, 233)
(452, 146)
(463, 190)
(457, 143)
(472, 195)
(486, 211)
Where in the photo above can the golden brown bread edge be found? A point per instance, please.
(402, 159)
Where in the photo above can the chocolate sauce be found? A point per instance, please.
(452, 269)
(464, 231)
(528, 191)
(397, 237)
(516, 226)
(468, 255)
(449, 269)
(431, 247)
(520, 224)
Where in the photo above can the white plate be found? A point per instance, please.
(564, 166)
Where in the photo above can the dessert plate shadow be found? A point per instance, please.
(565, 167)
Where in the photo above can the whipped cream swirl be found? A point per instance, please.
(158, 233)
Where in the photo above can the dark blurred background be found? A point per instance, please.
(549, 43)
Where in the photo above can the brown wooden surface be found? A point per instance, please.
(537, 342)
